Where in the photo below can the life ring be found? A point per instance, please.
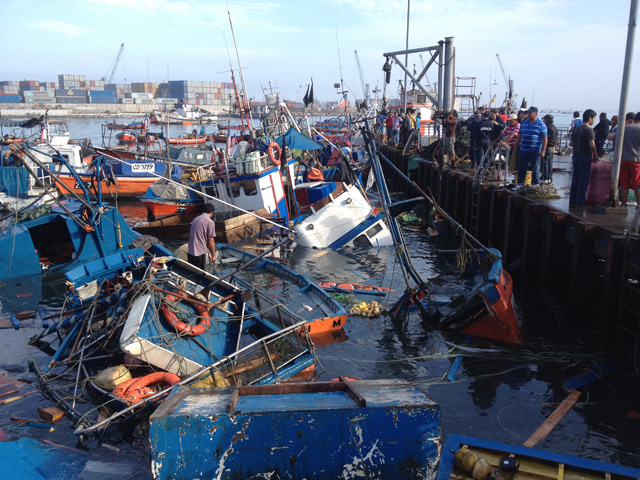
(273, 146)
(204, 319)
(137, 389)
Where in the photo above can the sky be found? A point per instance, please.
(561, 54)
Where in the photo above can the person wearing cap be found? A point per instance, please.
(552, 140)
(531, 144)
(509, 134)
(202, 238)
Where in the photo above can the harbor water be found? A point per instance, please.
(490, 391)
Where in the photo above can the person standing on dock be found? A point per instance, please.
(510, 134)
(474, 143)
(584, 153)
(552, 140)
(575, 123)
(389, 125)
(485, 134)
(532, 144)
(450, 124)
(630, 164)
(601, 130)
(202, 238)
(397, 120)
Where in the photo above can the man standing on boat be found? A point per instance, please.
(532, 142)
(202, 238)
(242, 148)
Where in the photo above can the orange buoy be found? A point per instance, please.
(181, 327)
(271, 149)
(137, 389)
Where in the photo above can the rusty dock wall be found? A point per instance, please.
(589, 271)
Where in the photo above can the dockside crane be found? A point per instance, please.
(365, 86)
(114, 66)
(509, 83)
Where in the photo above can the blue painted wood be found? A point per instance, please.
(297, 435)
(454, 442)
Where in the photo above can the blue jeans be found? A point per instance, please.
(528, 160)
(580, 179)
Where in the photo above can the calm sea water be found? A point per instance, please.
(498, 393)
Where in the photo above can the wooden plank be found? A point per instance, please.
(549, 424)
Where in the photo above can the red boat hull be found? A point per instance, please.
(187, 141)
(159, 208)
(128, 187)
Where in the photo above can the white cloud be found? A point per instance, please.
(66, 29)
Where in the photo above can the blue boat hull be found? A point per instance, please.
(297, 431)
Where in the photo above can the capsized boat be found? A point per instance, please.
(152, 323)
(502, 461)
(303, 299)
(343, 429)
(486, 309)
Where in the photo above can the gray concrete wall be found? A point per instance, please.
(90, 109)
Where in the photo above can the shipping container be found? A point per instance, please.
(69, 99)
(10, 99)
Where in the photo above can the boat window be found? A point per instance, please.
(53, 242)
(361, 241)
(250, 188)
(211, 191)
(235, 189)
(374, 230)
(56, 158)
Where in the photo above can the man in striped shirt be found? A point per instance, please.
(532, 141)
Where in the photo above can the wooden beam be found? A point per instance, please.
(550, 423)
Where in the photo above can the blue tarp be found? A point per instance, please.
(298, 141)
(14, 181)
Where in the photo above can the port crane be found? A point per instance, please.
(365, 86)
(114, 66)
(510, 97)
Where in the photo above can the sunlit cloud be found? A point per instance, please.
(66, 29)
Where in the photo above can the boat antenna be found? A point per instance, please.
(244, 87)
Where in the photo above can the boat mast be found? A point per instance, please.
(243, 106)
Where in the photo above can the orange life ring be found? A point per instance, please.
(137, 389)
(181, 327)
(270, 149)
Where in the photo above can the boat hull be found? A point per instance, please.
(128, 187)
(368, 429)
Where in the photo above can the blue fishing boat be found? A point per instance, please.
(303, 299)
(501, 461)
(140, 325)
(60, 237)
(344, 429)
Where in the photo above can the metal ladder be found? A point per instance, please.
(476, 187)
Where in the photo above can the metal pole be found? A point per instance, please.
(440, 70)
(622, 111)
(406, 56)
(448, 74)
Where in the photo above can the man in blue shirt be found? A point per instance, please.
(532, 143)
